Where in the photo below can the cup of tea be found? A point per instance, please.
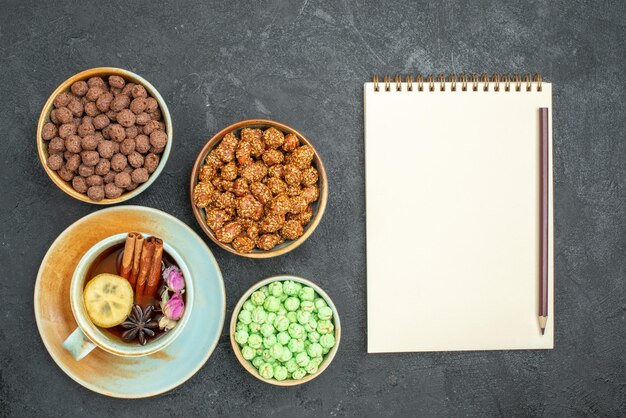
(131, 295)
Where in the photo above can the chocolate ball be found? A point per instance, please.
(122, 180)
(138, 105)
(142, 143)
(72, 144)
(104, 102)
(94, 92)
(76, 107)
(142, 119)
(155, 114)
(111, 191)
(85, 128)
(121, 101)
(127, 89)
(118, 162)
(112, 115)
(90, 158)
(126, 118)
(127, 146)
(85, 119)
(132, 186)
(94, 180)
(140, 175)
(79, 184)
(91, 109)
(77, 121)
(79, 88)
(63, 115)
(151, 162)
(151, 104)
(96, 193)
(55, 161)
(151, 126)
(62, 99)
(89, 142)
(139, 91)
(135, 159)
(158, 139)
(56, 145)
(65, 174)
(109, 177)
(131, 131)
(85, 171)
(103, 167)
(106, 149)
(73, 163)
(116, 147)
(116, 132)
(96, 82)
(116, 81)
(66, 130)
(101, 121)
(49, 131)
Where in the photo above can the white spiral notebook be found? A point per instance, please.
(452, 196)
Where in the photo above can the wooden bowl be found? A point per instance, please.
(318, 207)
(42, 146)
(327, 359)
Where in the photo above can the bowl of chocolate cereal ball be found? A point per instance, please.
(258, 188)
(285, 330)
(104, 135)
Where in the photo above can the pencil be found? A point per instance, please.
(544, 177)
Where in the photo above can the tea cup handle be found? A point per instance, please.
(78, 344)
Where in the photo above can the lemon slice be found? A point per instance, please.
(108, 300)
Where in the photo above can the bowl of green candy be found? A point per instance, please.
(285, 330)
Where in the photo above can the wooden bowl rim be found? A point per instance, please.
(248, 366)
(44, 117)
(323, 183)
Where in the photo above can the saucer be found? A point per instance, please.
(106, 373)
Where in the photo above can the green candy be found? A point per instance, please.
(306, 293)
(325, 350)
(303, 317)
(290, 288)
(325, 313)
(255, 341)
(283, 338)
(280, 372)
(294, 345)
(317, 360)
(241, 337)
(248, 306)
(291, 365)
(267, 356)
(241, 326)
(302, 359)
(311, 368)
(277, 351)
(254, 327)
(281, 323)
(259, 351)
(248, 352)
(292, 304)
(271, 304)
(319, 303)
(257, 298)
(266, 371)
(324, 326)
(276, 289)
(265, 290)
(269, 341)
(291, 316)
(311, 326)
(257, 361)
(286, 356)
(298, 374)
(267, 330)
(327, 340)
(283, 297)
(296, 331)
(314, 336)
(307, 305)
(259, 315)
(270, 318)
(245, 317)
(314, 350)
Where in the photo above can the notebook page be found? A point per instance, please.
(452, 196)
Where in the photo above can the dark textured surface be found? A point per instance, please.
(304, 63)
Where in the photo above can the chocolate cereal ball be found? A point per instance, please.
(116, 132)
(121, 101)
(116, 81)
(151, 104)
(49, 131)
(101, 121)
(73, 163)
(140, 175)
(96, 82)
(91, 109)
(94, 180)
(122, 180)
(135, 159)
(62, 99)
(132, 131)
(96, 193)
(55, 162)
(93, 93)
(104, 102)
(127, 89)
(79, 88)
(111, 191)
(142, 119)
(109, 177)
(63, 115)
(138, 105)
(127, 146)
(126, 118)
(90, 158)
(103, 167)
(158, 139)
(56, 145)
(79, 184)
(132, 186)
(106, 149)
(66, 130)
(86, 128)
(142, 143)
(65, 174)
(151, 126)
(118, 162)
(76, 107)
(139, 91)
(151, 162)
(72, 144)
(85, 171)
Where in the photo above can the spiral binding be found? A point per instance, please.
(471, 82)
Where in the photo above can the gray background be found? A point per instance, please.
(304, 63)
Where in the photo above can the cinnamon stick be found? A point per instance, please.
(127, 258)
(152, 284)
(136, 260)
(147, 251)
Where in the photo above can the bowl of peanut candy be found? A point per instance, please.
(258, 188)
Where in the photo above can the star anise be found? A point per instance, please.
(140, 324)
